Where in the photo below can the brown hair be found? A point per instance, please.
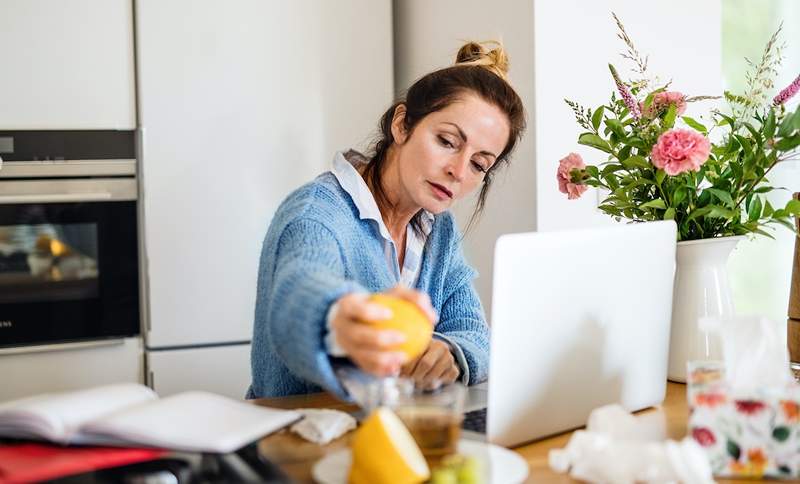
(478, 70)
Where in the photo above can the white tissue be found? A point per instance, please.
(755, 354)
(321, 426)
(620, 448)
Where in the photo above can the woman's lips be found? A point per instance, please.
(440, 191)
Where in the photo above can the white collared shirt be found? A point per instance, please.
(353, 183)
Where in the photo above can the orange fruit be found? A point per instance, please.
(407, 319)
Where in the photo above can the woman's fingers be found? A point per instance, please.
(353, 335)
(357, 307)
(443, 371)
(421, 299)
(379, 363)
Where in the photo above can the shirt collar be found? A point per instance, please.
(353, 183)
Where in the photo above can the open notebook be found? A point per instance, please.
(130, 414)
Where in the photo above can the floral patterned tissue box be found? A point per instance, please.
(754, 436)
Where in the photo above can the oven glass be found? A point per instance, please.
(68, 272)
(48, 262)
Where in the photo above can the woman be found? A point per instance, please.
(383, 225)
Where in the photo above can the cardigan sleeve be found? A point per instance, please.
(461, 319)
(309, 276)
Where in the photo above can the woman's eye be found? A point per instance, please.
(445, 142)
(477, 166)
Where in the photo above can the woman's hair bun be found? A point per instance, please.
(489, 54)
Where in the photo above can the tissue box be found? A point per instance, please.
(755, 435)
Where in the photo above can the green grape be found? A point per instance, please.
(444, 475)
(469, 471)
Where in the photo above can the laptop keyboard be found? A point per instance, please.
(475, 421)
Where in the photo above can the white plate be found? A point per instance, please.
(502, 465)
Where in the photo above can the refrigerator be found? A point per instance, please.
(238, 103)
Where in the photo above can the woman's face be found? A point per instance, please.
(449, 151)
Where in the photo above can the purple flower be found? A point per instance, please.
(787, 93)
(627, 97)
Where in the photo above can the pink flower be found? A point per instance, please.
(625, 93)
(787, 93)
(566, 165)
(662, 101)
(680, 150)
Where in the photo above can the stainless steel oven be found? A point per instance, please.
(69, 266)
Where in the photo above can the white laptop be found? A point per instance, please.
(580, 319)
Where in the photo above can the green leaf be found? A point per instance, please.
(597, 117)
(755, 134)
(660, 175)
(680, 195)
(796, 119)
(787, 144)
(636, 162)
(692, 123)
(592, 171)
(722, 195)
(638, 143)
(783, 222)
(733, 449)
(590, 139)
(616, 127)
(768, 209)
(754, 212)
(657, 203)
(720, 212)
(769, 125)
(669, 118)
(748, 147)
(793, 207)
(786, 127)
(669, 214)
(781, 433)
(610, 168)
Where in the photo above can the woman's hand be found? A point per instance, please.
(370, 348)
(434, 367)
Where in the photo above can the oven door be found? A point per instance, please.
(68, 260)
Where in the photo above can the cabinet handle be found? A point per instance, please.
(56, 197)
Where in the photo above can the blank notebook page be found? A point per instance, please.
(193, 421)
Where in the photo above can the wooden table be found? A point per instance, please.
(297, 456)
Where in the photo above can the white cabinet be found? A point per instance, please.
(239, 105)
(224, 370)
(66, 65)
(70, 367)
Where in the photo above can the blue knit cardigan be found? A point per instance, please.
(316, 250)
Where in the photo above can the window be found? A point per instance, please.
(760, 269)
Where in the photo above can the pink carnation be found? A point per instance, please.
(680, 150)
(662, 101)
(566, 165)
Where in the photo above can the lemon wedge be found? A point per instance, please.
(385, 452)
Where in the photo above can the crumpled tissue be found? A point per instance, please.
(322, 425)
(620, 448)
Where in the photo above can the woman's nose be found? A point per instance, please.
(458, 168)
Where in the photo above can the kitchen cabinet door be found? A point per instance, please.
(66, 65)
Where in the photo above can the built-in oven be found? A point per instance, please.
(69, 265)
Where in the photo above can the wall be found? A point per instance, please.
(575, 40)
(427, 37)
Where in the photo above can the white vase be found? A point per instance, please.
(701, 290)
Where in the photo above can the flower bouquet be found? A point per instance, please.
(710, 177)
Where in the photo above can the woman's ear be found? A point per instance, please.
(399, 132)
